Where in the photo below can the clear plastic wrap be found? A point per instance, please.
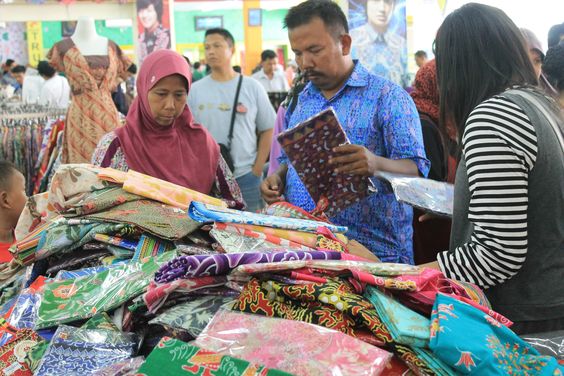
(550, 343)
(295, 347)
(77, 351)
(124, 368)
(425, 194)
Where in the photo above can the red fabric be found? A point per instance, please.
(5, 255)
(183, 153)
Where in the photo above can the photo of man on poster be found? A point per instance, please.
(378, 31)
(154, 29)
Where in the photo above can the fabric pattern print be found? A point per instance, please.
(265, 340)
(309, 145)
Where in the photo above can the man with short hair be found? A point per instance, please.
(269, 76)
(55, 92)
(211, 100)
(7, 66)
(380, 49)
(7, 78)
(555, 35)
(18, 74)
(420, 58)
(379, 118)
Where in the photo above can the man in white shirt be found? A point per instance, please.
(56, 90)
(269, 76)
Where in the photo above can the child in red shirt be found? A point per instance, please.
(12, 203)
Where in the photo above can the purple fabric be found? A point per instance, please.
(185, 267)
(275, 148)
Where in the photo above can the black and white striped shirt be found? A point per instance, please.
(500, 149)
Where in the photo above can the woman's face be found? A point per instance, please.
(148, 17)
(536, 59)
(167, 99)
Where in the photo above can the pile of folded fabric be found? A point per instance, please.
(122, 274)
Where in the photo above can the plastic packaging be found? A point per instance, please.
(123, 368)
(550, 343)
(425, 194)
(77, 351)
(295, 347)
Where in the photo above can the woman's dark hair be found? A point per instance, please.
(329, 12)
(18, 69)
(553, 65)
(479, 53)
(224, 33)
(157, 4)
(45, 69)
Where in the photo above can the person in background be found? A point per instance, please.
(420, 58)
(555, 35)
(508, 223)
(553, 66)
(212, 99)
(291, 72)
(537, 58)
(160, 137)
(154, 36)
(269, 76)
(128, 86)
(7, 66)
(197, 73)
(12, 203)
(18, 73)
(55, 92)
(377, 115)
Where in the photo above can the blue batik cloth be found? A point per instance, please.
(472, 342)
(381, 116)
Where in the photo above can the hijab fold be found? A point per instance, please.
(183, 153)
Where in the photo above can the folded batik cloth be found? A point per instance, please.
(180, 358)
(273, 343)
(13, 353)
(473, 342)
(209, 213)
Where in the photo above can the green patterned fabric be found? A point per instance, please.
(180, 358)
(100, 200)
(35, 354)
(81, 298)
(100, 321)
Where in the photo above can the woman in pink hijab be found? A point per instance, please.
(160, 137)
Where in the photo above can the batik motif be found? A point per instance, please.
(265, 341)
(149, 246)
(77, 351)
(192, 316)
(124, 368)
(309, 146)
(81, 298)
(231, 242)
(208, 213)
(13, 353)
(100, 321)
(180, 358)
(99, 200)
(472, 342)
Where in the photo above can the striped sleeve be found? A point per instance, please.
(500, 149)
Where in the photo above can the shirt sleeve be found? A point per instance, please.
(401, 127)
(500, 149)
(266, 116)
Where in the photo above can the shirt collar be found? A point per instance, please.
(358, 78)
(375, 36)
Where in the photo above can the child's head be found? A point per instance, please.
(12, 195)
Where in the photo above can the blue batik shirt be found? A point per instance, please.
(381, 116)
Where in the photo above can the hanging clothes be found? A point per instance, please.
(92, 112)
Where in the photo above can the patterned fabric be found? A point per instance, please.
(287, 210)
(483, 345)
(265, 340)
(77, 351)
(76, 260)
(99, 200)
(71, 300)
(210, 265)
(157, 294)
(13, 353)
(308, 146)
(192, 316)
(207, 213)
(180, 358)
(92, 112)
(35, 354)
(382, 117)
(405, 326)
(72, 274)
(123, 368)
(37, 211)
(159, 39)
(149, 246)
(163, 221)
(233, 242)
(100, 321)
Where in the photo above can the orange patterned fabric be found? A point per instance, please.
(92, 112)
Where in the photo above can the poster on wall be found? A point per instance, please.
(153, 20)
(12, 42)
(378, 29)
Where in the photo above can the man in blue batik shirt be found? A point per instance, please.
(380, 120)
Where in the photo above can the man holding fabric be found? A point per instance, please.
(379, 118)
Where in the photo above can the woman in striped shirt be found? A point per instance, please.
(508, 222)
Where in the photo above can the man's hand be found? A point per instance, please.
(272, 188)
(354, 160)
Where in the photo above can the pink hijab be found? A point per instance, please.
(183, 153)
